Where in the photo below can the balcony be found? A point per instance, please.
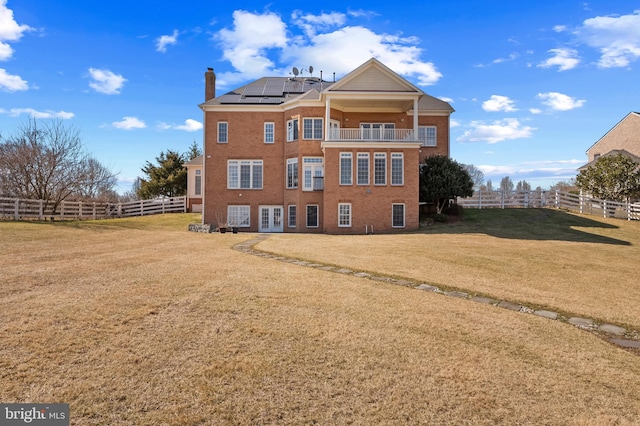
(318, 183)
(367, 135)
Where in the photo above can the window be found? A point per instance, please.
(377, 130)
(379, 168)
(223, 132)
(312, 216)
(397, 168)
(239, 216)
(313, 172)
(345, 168)
(397, 215)
(312, 128)
(292, 130)
(292, 216)
(427, 134)
(344, 215)
(363, 168)
(269, 131)
(244, 174)
(292, 173)
(198, 188)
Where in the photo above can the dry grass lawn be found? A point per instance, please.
(579, 265)
(139, 322)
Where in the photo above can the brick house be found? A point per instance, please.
(623, 138)
(302, 154)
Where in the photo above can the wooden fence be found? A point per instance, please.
(558, 199)
(23, 209)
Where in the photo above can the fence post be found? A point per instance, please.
(94, 210)
(581, 198)
(502, 199)
(480, 199)
(40, 210)
(526, 199)
(557, 199)
(16, 209)
(163, 200)
(604, 208)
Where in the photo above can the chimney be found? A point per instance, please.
(209, 84)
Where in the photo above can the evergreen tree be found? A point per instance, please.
(613, 177)
(442, 179)
(166, 179)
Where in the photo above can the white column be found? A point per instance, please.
(415, 119)
(327, 118)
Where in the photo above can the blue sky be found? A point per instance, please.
(534, 84)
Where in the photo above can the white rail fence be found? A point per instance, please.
(23, 209)
(562, 200)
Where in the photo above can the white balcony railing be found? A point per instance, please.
(387, 135)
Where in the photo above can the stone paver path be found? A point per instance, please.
(617, 335)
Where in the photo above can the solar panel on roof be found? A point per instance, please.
(253, 90)
(274, 87)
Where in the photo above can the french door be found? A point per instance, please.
(271, 219)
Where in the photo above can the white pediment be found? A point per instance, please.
(373, 76)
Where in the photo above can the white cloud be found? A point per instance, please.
(454, 123)
(246, 45)
(189, 125)
(499, 103)
(10, 30)
(498, 131)
(325, 43)
(11, 83)
(511, 57)
(617, 38)
(559, 101)
(16, 112)
(560, 28)
(564, 58)
(105, 81)
(446, 99)
(129, 123)
(535, 111)
(313, 23)
(163, 41)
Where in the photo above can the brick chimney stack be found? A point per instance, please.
(209, 84)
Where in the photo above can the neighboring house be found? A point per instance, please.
(300, 154)
(623, 138)
(194, 184)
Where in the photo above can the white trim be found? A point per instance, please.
(349, 215)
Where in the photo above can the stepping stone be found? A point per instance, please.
(508, 305)
(580, 322)
(546, 314)
(362, 275)
(484, 300)
(627, 343)
(344, 271)
(613, 329)
(457, 294)
(427, 287)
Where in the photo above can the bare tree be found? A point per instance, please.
(477, 176)
(45, 160)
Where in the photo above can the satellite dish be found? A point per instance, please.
(296, 71)
(311, 69)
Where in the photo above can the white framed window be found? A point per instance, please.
(239, 216)
(397, 215)
(223, 132)
(292, 130)
(269, 132)
(344, 215)
(313, 173)
(198, 182)
(244, 174)
(397, 168)
(312, 128)
(428, 135)
(377, 131)
(292, 173)
(292, 216)
(312, 216)
(379, 168)
(363, 168)
(346, 164)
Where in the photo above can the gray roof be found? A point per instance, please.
(623, 152)
(278, 90)
(271, 90)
